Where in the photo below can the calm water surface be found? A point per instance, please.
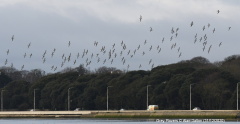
(109, 121)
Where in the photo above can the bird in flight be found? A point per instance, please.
(113, 45)
(177, 30)
(52, 54)
(150, 61)
(150, 48)
(29, 44)
(122, 43)
(200, 39)
(218, 11)
(150, 29)
(172, 31)
(95, 43)
(6, 61)
(30, 55)
(69, 43)
(140, 66)
(74, 62)
(143, 53)
(162, 40)
(191, 24)
(24, 55)
(213, 30)
(12, 37)
(203, 28)
(208, 25)
(52, 67)
(7, 51)
(229, 28)
(77, 55)
(138, 47)
(220, 44)
(62, 64)
(145, 42)
(203, 48)
(180, 54)
(140, 18)
(22, 67)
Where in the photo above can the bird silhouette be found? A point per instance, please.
(74, 62)
(218, 11)
(22, 67)
(150, 29)
(69, 43)
(138, 47)
(203, 48)
(220, 44)
(12, 38)
(191, 24)
(52, 54)
(29, 44)
(150, 48)
(6, 61)
(62, 64)
(150, 61)
(24, 55)
(140, 18)
(112, 61)
(7, 51)
(77, 55)
(113, 45)
(229, 28)
(200, 39)
(213, 30)
(177, 30)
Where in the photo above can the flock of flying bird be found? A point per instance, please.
(113, 54)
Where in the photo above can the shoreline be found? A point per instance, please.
(220, 114)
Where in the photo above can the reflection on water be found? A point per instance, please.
(106, 121)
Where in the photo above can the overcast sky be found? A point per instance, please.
(49, 24)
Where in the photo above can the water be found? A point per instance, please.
(110, 121)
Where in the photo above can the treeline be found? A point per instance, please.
(213, 87)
